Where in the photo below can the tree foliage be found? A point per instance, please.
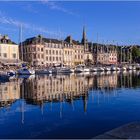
(136, 53)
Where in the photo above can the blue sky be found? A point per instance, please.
(110, 21)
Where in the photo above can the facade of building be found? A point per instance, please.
(77, 49)
(106, 55)
(9, 51)
(49, 52)
(41, 51)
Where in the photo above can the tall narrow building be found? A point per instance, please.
(88, 57)
(84, 40)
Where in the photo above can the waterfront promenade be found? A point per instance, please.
(127, 131)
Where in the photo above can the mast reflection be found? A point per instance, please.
(38, 90)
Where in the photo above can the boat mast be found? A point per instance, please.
(22, 108)
(97, 51)
(21, 42)
(121, 54)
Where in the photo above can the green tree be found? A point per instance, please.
(135, 54)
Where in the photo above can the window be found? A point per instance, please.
(5, 55)
(14, 55)
(46, 51)
(47, 58)
(42, 49)
(38, 49)
(34, 56)
(50, 51)
(42, 56)
(38, 55)
(53, 52)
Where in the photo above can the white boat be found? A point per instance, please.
(93, 69)
(82, 68)
(107, 68)
(61, 70)
(117, 68)
(100, 69)
(26, 71)
(123, 69)
(43, 71)
(86, 69)
(108, 72)
(129, 68)
(64, 70)
(78, 69)
(72, 70)
(133, 68)
(113, 68)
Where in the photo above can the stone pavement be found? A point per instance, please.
(128, 131)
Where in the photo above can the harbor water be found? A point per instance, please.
(68, 106)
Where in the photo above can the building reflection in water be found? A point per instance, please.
(9, 92)
(40, 89)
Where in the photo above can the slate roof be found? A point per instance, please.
(6, 40)
(40, 39)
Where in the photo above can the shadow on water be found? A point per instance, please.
(68, 106)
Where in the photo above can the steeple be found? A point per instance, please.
(84, 36)
(84, 40)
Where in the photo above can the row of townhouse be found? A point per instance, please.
(42, 51)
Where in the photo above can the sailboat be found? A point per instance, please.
(24, 70)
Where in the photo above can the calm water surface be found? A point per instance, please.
(68, 106)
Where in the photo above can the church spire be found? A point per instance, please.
(84, 39)
(84, 36)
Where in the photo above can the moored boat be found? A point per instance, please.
(61, 70)
(113, 68)
(117, 69)
(11, 72)
(107, 68)
(129, 68)
(93, 69)
(64, 70)
(86, 69)
(26, 71)
(100, 69)
(123, 68)
(134, 68)
(78, 69)
(43, 71)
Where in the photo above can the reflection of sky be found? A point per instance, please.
(104, 112)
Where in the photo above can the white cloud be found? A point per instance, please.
(30, 27)
(54, 6)
(30, 8)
